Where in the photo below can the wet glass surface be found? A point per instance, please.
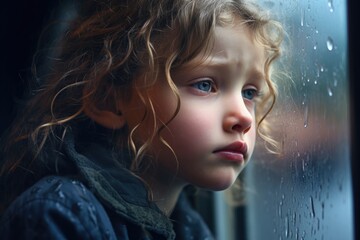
(306, 194)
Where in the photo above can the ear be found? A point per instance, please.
(105, 117)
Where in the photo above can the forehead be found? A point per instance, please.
(233, 46)
(236, 43)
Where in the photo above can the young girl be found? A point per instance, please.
(144, 97)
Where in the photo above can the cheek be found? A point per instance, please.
(191, 128)
(251, 139)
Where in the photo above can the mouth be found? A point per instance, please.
(235, 152)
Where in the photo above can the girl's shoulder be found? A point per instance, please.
(56, 207)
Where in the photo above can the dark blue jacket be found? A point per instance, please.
(104, 201)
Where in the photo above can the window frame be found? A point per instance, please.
(354, 88)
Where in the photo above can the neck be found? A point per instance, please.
(165, 191)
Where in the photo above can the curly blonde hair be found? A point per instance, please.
(110, 42)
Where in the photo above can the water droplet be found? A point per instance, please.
(330, 93)
(315, 46)
(294, 219)
(297, 234)
(280, 209)
(304, 101)
(286, 227)
(306, 116)
(312, 207)
(303, 234)
(340, 187)
(318, 224)
(331, 5)
(302, 17)
(303, 165)
(330, 44)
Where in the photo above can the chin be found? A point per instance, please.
(221, 186)
(218, 183)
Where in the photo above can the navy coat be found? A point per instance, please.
(103, 201)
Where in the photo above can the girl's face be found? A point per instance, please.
(213, 135)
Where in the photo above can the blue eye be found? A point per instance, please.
(205, 86)
(249, 93)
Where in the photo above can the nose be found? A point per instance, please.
(238, 118)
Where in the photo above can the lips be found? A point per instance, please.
(235, 152)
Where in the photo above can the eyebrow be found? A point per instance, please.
(217, 63)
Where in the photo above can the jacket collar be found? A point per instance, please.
(115, 186)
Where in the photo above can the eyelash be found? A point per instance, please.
(253, 91)
(200, 85)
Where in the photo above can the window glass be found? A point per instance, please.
(306, 194)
